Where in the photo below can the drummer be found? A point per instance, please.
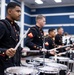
(58, 40)
(35, 36)
(34, 39)
(58, 37)
(9, 37)
(50, 42)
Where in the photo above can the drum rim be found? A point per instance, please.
(45, 71)
(9, 72)
(60, 66)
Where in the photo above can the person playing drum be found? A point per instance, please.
(9, 37)
(50, 42)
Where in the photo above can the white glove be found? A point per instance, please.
(44, 50)
(25, 49)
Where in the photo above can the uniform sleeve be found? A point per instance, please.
(29, 39)
(2, 32)
(46, 44)
(58, 40)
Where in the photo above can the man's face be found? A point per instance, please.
(42, 22)
(52, 33)
(61, 30)
(15, 13)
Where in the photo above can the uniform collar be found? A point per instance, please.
(11, 22)
(50, 36)
(38, 27)
(60, 34)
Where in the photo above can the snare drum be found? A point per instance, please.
(23, 63)
(62, 60)
(63, 68)
(20, 71)
(41, 60)
(46, 70)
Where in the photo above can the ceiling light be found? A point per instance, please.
(39, 1)
(58, 1)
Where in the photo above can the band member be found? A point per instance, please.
(67, 39)
(9, 37)
(34, 38)
(58, 41)
(58, 37)
(50, 42)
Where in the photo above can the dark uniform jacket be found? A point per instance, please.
(58, 41)
(8, 40)
(34, 38)
(49, 44)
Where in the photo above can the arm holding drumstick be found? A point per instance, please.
(11, 52)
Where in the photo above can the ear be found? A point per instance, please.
(9, 11)
(39, 20)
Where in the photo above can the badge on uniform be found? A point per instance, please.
(30, 35)
(46, 43)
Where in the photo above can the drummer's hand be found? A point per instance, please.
(59, 54)
(68, 48)
(59, 46)
(25, 49)
(44, 50)
(72, 44)
(10, 52)
(52, 52)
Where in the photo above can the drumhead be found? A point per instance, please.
(61, 58)
(57, 65)
(27, 64)
(47, 69)
(19, 70)
(38, 59)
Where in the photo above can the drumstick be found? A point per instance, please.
(46, 51)
(40, 50)
(55, 49)
(65, 46)
(21, 40)
(35, 51)
(65, 52)
(62, 53)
